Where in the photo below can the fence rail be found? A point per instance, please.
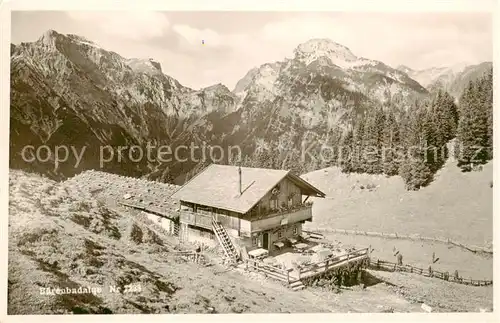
(391, 266)
(284, 274)
(272, 271)
(414, 237)
(314, 235)
(333, 260)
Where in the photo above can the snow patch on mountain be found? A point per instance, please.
(267, 76)
(148, 66)
(313, 49)
(430, 75)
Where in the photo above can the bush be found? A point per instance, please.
(371, 186)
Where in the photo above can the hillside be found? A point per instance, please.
(60, 235)
(66, 89)
(453, 79)
(456, 206)
(454, 203)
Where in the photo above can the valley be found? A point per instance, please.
(316, 97)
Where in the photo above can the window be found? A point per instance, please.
(295, 230)
(280, 234)
(255, 240)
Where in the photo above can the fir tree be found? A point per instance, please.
(415, 170)
(473, 126)
(487, 82)
(372, 141)
(357, 147)
(390, 145)
(345, 154)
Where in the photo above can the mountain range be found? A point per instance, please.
(67, 90)
(452, 79)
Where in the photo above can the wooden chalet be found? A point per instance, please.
(244, 207)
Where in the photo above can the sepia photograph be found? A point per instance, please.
(248, 162)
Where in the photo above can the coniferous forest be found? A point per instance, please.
(413, 141)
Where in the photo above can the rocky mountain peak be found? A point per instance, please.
(405, 69)
(81, 39)
(155, 64)
(49, 38)
(52, 39)
(315, 48)
(219, 87)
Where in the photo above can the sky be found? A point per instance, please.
(235, 42)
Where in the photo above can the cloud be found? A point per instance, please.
(194, 36)
(417, 40)
(395, 39)
(137, 25)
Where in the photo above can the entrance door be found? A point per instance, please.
(265, 240)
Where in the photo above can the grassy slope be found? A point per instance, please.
(442, 296)
(59, 236)
(456, 205)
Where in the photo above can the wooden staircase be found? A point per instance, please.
(175, 228)
(297, 285)
(225, 242)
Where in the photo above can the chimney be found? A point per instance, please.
(239, 174)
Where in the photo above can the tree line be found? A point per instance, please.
(414, 142)
(411, 141)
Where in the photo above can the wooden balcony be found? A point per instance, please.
(273, 221)
(247, 227)
(196, 219)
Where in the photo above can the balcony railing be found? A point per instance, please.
(258, 215)
(299, 213)
(275, 220)
(196, 219)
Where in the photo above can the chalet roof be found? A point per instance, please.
(218, 186)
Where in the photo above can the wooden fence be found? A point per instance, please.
(390, 266)
(332, 261)
(270, 270)
(318, 267)
(314, 235)
(414, 237)
(193, 257)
